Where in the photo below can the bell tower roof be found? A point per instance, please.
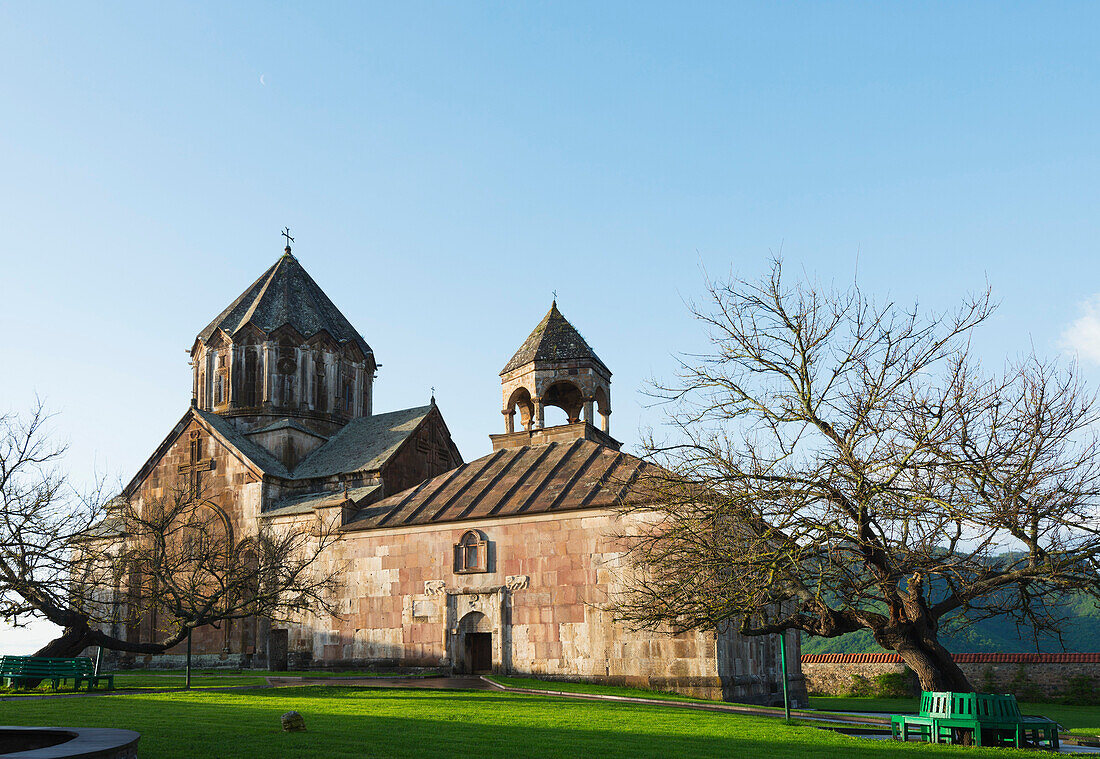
(554, 339)
(555, 367)
(285, 294)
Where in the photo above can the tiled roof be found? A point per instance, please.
(250, 449)
(513, 481)
(286, 294)
(307, 503)
(971, 658)
(362, 444)
(554, 339)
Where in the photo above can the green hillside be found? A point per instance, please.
(1081, 634)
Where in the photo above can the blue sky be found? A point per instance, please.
(445, 166)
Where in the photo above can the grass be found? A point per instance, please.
(350, 722)
(1084, 720)
(602, 690)
(153, 680)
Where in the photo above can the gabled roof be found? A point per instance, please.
(363, 444)
(304, 504)
(286, 294)
(250, 449)
(258, 457)
(536, 479)
(554, 339)
(287, 424)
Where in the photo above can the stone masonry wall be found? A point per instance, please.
(542, 600)
(1026, 675)
(235, 490)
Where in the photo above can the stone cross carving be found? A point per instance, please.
(197, 465)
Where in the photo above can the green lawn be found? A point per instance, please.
(603, 690)
(1079, 719)
(209, 678)
(365, 722)
(1083, 720)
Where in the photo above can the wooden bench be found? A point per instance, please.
(982, 719)
(20, 670)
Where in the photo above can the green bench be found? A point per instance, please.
(20, 670)
(981, 719)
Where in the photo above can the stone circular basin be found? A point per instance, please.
(60, 742)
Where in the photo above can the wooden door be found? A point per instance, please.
(480, 651)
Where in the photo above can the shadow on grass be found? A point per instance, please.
(368, 722)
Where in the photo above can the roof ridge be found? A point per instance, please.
(521, 480)
(537, 490)
(488, 486)
(247, 317)
(447, 504)
(572, 481)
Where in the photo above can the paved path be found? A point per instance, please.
(430, 683)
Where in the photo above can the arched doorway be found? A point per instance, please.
(475, 643)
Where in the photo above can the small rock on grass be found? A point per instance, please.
(293, 722)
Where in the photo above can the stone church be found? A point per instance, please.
(501, 564)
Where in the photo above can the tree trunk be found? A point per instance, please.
(69, 644)
(933, 664)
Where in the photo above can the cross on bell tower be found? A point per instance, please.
(286, 233)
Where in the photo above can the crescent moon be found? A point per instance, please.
(262, 82)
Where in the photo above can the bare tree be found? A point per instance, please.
(94, 566)
(841, 465)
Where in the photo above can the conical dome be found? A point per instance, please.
(554, 339)
(280, 351)
(285, 294)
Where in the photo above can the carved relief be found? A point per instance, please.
(435, 587)
(516, 582)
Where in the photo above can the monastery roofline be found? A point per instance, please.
(285, 295)
(363, 445)
(555, 477)
(560, 433)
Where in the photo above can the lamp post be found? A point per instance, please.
(783, 663)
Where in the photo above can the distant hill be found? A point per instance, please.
(1081, 635)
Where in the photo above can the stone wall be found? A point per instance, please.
(1026, 675)
(543, 600)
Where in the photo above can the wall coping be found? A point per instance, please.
(971, 658)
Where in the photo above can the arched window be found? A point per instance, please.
(286, 366)
(221, 382)
(251, 378)
(472, 553)
(320, 397)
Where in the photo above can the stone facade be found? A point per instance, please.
(1049, 675)
(541, 599)
(504, 564)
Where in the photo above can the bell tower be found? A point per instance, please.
(555, 367)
